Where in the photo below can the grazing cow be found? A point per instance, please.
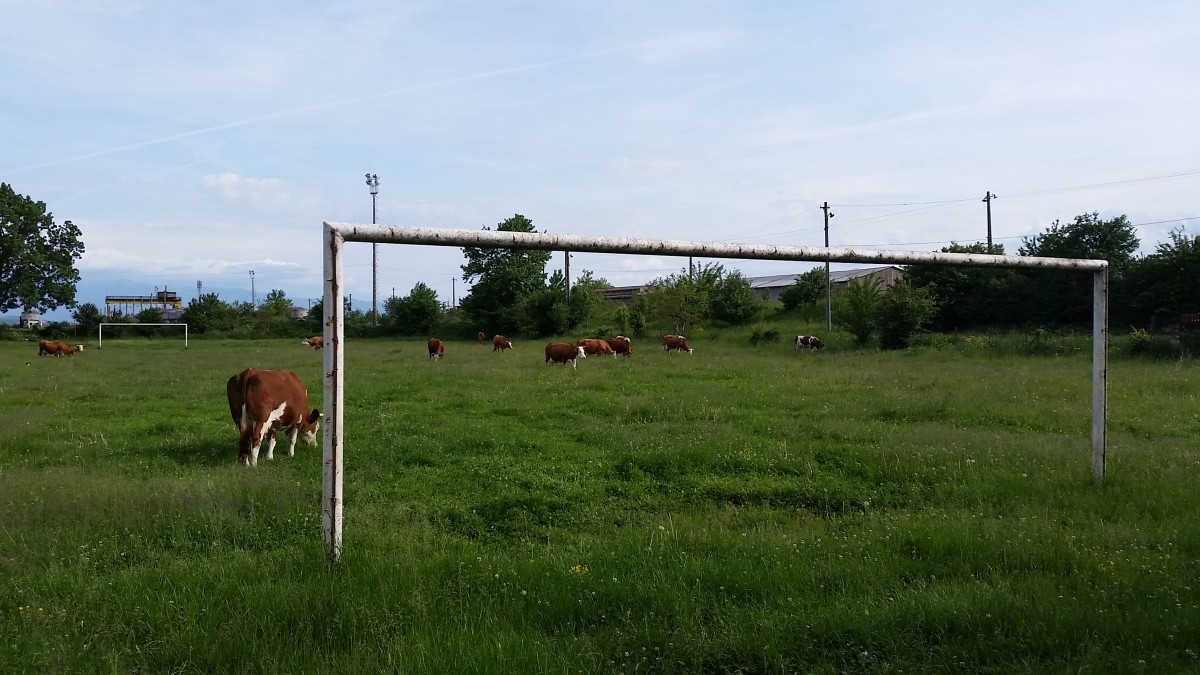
(809, 342)
(561, 352)
(55, 348)
(591, 346)
(78, 348)
(675, 342)
(316, 342)
(481, 337)
(436, 348)
(621, 345)
(265, 401)
(500, 343)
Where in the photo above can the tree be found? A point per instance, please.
(206, 313)
(37, 255)
(1062, 296)
(150, 315)
(276, 305)
(88, 317)
(733, 300)
(1166, 283)
(807, 289)
(902, 311)
(502, 279)
(545, 312)
(859, 302)
(967, 297)
(683, 300)
(587, 299)
(414, 314)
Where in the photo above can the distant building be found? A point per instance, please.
(299, 313)
(769, 288)
(132, 304)
(31, 318)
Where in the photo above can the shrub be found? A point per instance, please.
(762, 335)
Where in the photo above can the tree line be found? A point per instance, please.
(512, 294)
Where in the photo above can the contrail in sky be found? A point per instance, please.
(310, 108)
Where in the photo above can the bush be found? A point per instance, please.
(903, 311)
(762, 335)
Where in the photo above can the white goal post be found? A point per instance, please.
(100, 338)
(335, 235)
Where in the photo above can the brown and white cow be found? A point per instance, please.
(436, 348)
(316, 341)
(562, 352)
(810, 342)
(55, 348)
(262, 402)
(500, 343)
(594, 347)
(480, 336)
(79, 348)
(675, 342)
(621, 345)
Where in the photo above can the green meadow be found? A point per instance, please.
(739, 510)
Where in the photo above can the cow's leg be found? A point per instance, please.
(293, 434)
(270, 442)
(256, 439)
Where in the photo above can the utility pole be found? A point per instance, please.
(373, 184)
(567, 272)
(828, 300)
(253, 300)
(988, 200)
(454, 291)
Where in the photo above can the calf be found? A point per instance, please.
(621, 345)
(809, 342)
(561, 352)
(262, 402)
(55, 348)
(316, 342)
(436, 348)
(480, 336)
(591, 346)
(500, 343)
(675, 342)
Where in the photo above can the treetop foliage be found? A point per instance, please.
(37, 255)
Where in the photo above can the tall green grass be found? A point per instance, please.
(743, 509)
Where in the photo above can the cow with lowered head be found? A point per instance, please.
(563, 352)
(810, 342)
(262, 402)
(436, 348)
(56, 348)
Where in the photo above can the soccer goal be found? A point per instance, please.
(100, 339)
(335, 236)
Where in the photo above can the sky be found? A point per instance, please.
(194, 142)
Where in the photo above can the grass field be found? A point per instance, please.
(740, 510)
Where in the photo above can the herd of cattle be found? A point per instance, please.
(263, 402)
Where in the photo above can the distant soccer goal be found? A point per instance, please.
(335, 236)
(100, 339)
